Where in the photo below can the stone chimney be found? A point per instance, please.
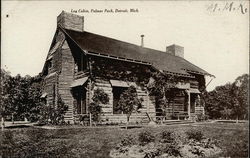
(71, 21)
(175, 50)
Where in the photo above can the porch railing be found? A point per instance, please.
(174, 115)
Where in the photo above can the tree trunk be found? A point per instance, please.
(127, 121)
(90, 120)
(12, 118)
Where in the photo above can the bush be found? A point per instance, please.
(172, 149)
(167, 137)
(127, 141)
(53, 114)
(171, 146)
(208, 143)
(146, 137)
(95, 110)
(197, 151)
(195, 134)
(202, 117)
(99, 97)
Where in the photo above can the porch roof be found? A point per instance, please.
(44, 95)
(117, 83)
(192, 90)
(79, 82)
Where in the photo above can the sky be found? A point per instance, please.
(214, 38)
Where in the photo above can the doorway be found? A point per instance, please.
(80, 97)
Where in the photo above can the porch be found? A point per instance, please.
(186, 105)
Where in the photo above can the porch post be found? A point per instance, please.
(189, 107)
(199, 101)
(147, 101)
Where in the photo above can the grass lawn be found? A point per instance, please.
(98, 142)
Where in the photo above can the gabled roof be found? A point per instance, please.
(163, 61)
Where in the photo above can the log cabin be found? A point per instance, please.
(78, 62)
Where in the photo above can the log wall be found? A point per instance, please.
(50, 85)
(50, 81)
(199, 110)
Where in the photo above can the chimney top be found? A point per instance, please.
(142, 41)
(71, 21)
(175, 50)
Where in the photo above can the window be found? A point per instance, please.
(44, 100)
(117, 91)
(49, 64)
(81, 63)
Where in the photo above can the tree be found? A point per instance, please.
(217, 101)
(34, 94)
(239, 93)
(229, 101)
(20, 96)
(99, 97)
(129, 102)
(15, 95)
(20, 93)
(5, 87)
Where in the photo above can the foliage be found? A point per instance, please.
(208, 143)
(34, 94)
(6, 86)
(202, 117)
(119, 70)
(100, 142)
(129, 101)
(197, 151)
(146, 137)
(195, 134)
(20, 96)
(163, 88)
(171, 143)
(172, 149)
(167, 137)
(99, 97)
(127, 141)
(95, 110)
(229, 101)
(239, 93)
(161, 84)
(51, 114)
